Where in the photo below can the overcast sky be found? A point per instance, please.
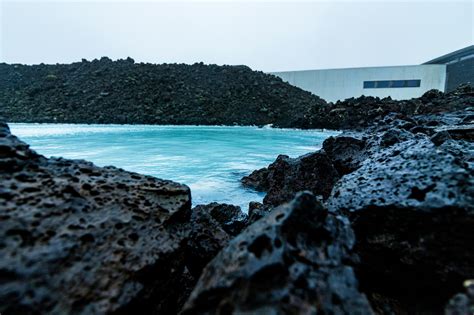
(264, 35)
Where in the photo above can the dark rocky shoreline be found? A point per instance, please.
(125, 92)
(380, 220)
(406, 185)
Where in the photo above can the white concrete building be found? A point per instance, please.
(398, 82)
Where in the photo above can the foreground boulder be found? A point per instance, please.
(412, 208)
(76, 238)
(292, 261)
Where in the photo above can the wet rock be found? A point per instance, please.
(257, 211)
(460, 132)
(423, 129)
(286, 176)
(414, 173)
(206, 238)
(407, 187)
(440, 137)
(77, 238)
(393, 136)
(346, 153)
(230, 217)
(468, 119)
(291, 261)
(462, 303)
(257, 180)
(411, 205)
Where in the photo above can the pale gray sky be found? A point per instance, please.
(265, 35)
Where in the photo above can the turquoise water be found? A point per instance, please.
(211, 160)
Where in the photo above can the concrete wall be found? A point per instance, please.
(460, 72)
(339, 84)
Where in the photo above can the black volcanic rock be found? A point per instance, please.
(286, 176)
(407, 187)
(414, 173)
(364, 111)
(292, 261)
(346, 153)
(411, 205)
(80, 239)
(257, 211)
(462, 303)
(206, 238)
(258, 179)
(105, 91)
(230, 217)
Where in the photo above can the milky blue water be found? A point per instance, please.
(211, 160)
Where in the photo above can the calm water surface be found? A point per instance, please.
(211, 160)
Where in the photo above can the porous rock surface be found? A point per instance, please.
(407, 186)
(292, 261)
(287, 176)
(411, 205)
(414, 173)
(257, 210)
(80, 239)
(346, 153)
(230, 217)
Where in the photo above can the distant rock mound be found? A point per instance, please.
(125, 92)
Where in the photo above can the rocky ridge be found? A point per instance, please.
(364, 111)
(125, 92)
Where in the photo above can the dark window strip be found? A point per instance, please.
(384, 84)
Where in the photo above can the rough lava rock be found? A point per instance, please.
(462, 303)
(364, 111)
(411, 174)
(411, 204)
(286, 176)
(346, 153)
(292, 261)
(257, 211)
(81, 239)
(206, 237)
(230, 217)
(407, 187)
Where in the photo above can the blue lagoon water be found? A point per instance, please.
(210, 160)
